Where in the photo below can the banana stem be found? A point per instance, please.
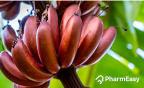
(69, 78)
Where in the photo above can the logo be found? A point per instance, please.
(100, 79)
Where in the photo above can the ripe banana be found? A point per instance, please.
(86, 21)
(53, 21)
(62, 6)
(46, 47)
(12, 72)
(92, 36)
(12, 11)
(26, 63)
(69, 12)
(5, 4)
(29, 36)
(8, 37)
(105, 43)
(86, 6)
(70, 41)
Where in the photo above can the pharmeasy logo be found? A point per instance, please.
(100, 79)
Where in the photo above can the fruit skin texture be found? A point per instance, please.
(8, 37)
(29, 36)
(26, 63)
(93, 33)
(69, 12)
(11, 71)
(53, 21)
(86, 21)
(70, 41)
(46, 48)
(105, 43)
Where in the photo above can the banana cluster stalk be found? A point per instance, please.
(50, 46)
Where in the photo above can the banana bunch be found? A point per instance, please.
(47, 46)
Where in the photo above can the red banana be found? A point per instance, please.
(69, 12)
(53, 21)
(46, 47)
(45, 85)
(8, 37)
(92, 33)
(29, 36)
(70, 41)
(26, 63)
(86, 21)
(62, 6)
(12, 11)
(85, 6)
(105, 43)
(4, 5)
(12, 72)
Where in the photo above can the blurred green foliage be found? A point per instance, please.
(121, 15)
